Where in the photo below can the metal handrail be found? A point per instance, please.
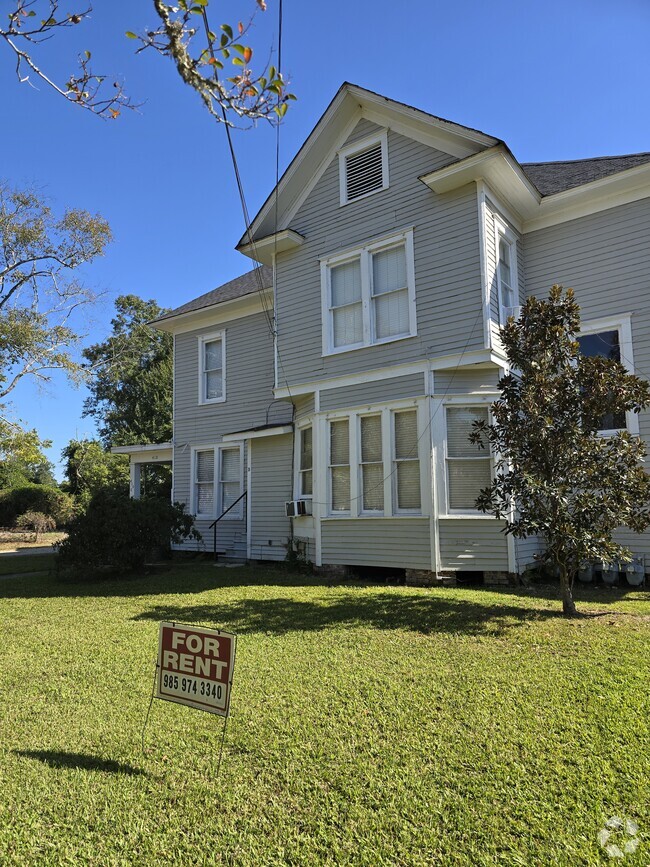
(213, 525)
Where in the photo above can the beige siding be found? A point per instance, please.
(605, 257)
(304, 405)
(270, 489)
(466, 381)
(447, 265)
(473, 545)
(397, 543)
(373, 392)
(525, 550)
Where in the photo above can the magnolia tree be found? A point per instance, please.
(556, 475)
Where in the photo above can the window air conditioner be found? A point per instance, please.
(515, 312)
(297, 508)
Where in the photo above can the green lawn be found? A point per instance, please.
(371, 725)
(10, 564)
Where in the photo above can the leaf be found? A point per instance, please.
(201, 2)
(227, 29)
(248, 53)
(131, 35)
(240, 28)
(238, 61)
(237, 47)
(87, 55)
(114, 113)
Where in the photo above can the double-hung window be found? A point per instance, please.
(374, 465)
(217, 481)
(212, 368)
(610, 339)
(369, 295)
(306, 487)
(469, 467)
(506, 272)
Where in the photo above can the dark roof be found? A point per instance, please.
(556, 177)
(237, 288)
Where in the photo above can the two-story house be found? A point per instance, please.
(344, 373)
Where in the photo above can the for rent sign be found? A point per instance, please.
(195, 666)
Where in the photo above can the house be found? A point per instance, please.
(342, 374)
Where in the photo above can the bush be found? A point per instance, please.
(35, 498)
(36, 521)
(119, 533)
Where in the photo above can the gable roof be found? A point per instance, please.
(239, 287)
(555, 177)
(349, 105)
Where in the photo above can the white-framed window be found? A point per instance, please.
(212, 368)
(306, 462)
(363, 168)
(507, 282)
(406, 462)
(217, 481)
(375, 463)
(339, 466)
(468, 467)
(611, 338)
(368, 295)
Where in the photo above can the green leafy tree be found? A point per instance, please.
(89, 469)
(217, 63)
(131, 389)
(556, 476)
(40, 254)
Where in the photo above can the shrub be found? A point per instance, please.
(36, 521)
(35, 498)
(119, 533)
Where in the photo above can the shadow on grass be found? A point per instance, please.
(387, 610)
(56, 759)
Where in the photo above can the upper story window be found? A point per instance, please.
(363, 168)
(610, 339)
(368, 295)
(212, 368)
(506, 272)
(469, 468)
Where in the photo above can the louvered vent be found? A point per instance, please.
(364, 172)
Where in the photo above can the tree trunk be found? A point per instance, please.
(568, 605)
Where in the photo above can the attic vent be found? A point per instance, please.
(364, 170)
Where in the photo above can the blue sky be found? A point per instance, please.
(558, 80)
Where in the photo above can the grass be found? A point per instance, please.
(371, 725)
(10, 540)
(26, 563)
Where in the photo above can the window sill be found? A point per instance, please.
(375, 517)
(213, 400)
(471, 516)
(340, 350)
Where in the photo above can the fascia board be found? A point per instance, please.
(215, 314)
(265, 249)
(257, 434)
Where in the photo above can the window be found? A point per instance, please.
(217, 481)
(506, 272)
(363, 168)
(212, 369)
(340, 465)
(372, 464)
(406, 462)
(607, 344)
(469, 468)
(375, 464)
(369, 295)
(306, 488)
(203, 500)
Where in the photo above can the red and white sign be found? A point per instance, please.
(195, 666)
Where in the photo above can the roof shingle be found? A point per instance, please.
(555, 177)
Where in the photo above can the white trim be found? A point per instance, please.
(364, 254)
(428, 132)
(217, 314)
(303, 424)
(621, 322)
(479, 356)
(202, 340)
(256, 434)
(483, 260)
(265, 248)
(358, 147)
(144, 447)
(275, 322)
(249, 510)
